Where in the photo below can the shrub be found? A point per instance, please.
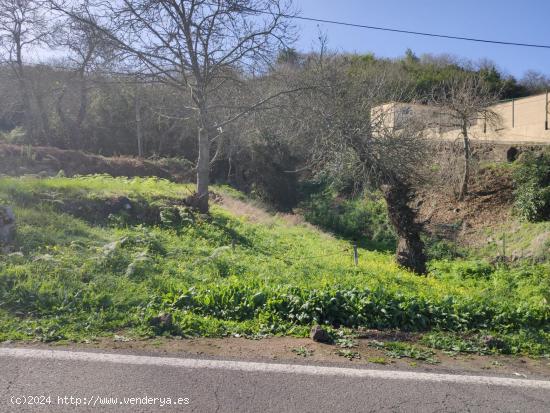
(441, 249)
(17, 136)
(462, 269)
(532, 178)
(364, 219)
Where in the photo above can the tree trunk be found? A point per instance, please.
(82, 112)
(139, 132)
(72, 128)
(467, 155)
(42, 118)
(27, 108)
(25, 94)
(65, 122)
(203, 171)
(410, 248)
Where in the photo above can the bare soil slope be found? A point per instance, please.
(488, 204)
(18, 160)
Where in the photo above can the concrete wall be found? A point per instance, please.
(396, 114)
(522, 121)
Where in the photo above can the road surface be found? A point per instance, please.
(63, 381)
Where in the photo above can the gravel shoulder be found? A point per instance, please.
(305, 351)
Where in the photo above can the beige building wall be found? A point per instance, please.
(525, 120)
(521, 121)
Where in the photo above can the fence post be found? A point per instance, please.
(546, 120)
(355, 254)
(513, 113)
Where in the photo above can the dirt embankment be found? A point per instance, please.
(16, 160)
(489, 203)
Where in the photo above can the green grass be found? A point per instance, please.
(522, 240)
(74, 277)
(377, 360)
(303, 351)
(363, 219)
(398, 350)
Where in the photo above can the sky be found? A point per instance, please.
(523, 21)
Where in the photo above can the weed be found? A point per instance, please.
(453, 344)
(303, 351)
(398, 350)
(377, 360)
(350, 355)
(346, 342)
(532, 177)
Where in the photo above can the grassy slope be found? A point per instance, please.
(513, 237)
(72, 279)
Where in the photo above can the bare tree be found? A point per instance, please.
(463, 101)
(24, 26)
(350, 137)
(88, 54)
(196, 46)
(535, 82)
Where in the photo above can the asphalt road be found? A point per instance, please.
(60, 381)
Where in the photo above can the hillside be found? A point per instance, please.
(16, 160)
(484, 225)
(96, 255)
(476, 226)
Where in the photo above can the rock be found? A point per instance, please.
(162, 322)
(320, 335)
(7, 227)
(120, 204)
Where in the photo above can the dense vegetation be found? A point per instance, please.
(361, 219)
(532, 176)
(110, 124)
(250, 155)
(75, 275)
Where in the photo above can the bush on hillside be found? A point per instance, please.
(364, 219)
(532, 178)
(442, 249)
(16, 135)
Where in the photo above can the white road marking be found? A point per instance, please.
(256, 367)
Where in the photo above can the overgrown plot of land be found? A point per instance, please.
(97, 255)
